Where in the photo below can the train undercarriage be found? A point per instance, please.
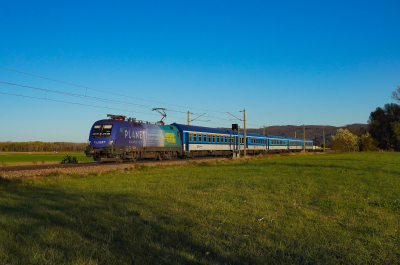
(121, 154)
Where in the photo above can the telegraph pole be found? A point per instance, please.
(244, 132)
(323, 134)
(238, 141)
(304, 137)
(188, 118)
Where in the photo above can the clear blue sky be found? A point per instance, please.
(285, 62)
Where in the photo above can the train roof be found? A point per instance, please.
(297, 139)
(112, 121)
(192, 128)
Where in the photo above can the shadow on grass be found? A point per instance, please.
(42, 225)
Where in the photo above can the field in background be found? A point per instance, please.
(26, 158)
(320, 209)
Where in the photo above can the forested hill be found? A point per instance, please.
(312, 131)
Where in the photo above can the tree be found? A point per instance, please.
(383, 128)
(367, 143)
(396, 94)
(345, 141)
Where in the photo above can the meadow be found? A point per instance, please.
(26, 158)
(306, 209)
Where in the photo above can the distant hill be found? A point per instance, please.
(312, 131)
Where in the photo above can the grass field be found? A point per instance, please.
(13, 159)
(310, 209)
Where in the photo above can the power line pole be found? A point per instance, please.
(238, 141)
(323, 134)
(304, 137)
(188, 118)
(244, 133)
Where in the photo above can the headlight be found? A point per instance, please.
(111, 142)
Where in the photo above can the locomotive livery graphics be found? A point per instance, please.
(148, 135)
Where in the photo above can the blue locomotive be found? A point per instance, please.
(122, 139)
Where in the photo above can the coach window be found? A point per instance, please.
(195, 138)
(205, 138)
(191, 137)
(213, 138)
(209, 138)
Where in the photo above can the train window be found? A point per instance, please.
(209, 138)
(121, 130)
(224, 139)
(190, 137)
(195, 138)
(200, 138)
(205, 138)
(101, 131)
(213, 138)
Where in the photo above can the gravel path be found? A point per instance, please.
(95, 169)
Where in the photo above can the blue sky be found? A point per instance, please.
(285, 62)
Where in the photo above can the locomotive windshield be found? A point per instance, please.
(101, 131)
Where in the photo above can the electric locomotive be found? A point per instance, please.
(120, 139)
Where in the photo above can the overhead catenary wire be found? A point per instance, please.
(90, 105)
(84, 96)
(117, 94)
(103, 91)
(103, 99)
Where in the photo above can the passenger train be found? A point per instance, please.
(121, 139)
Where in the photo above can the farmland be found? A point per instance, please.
(26, 158)
(331, 208)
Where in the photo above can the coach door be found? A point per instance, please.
(186, 142)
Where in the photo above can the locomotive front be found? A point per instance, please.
(102, 139)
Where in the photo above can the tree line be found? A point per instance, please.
(38, 146)
(383, 131)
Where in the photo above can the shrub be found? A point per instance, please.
(69, 160)
(345, 141)
(367, 143)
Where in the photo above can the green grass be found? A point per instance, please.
(316, 209)
(7, 159)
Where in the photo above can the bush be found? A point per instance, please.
(345, 141)
(367, 143)
(69, 160)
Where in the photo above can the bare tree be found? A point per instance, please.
(396, 94)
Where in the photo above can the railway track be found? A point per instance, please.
(92, 164)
